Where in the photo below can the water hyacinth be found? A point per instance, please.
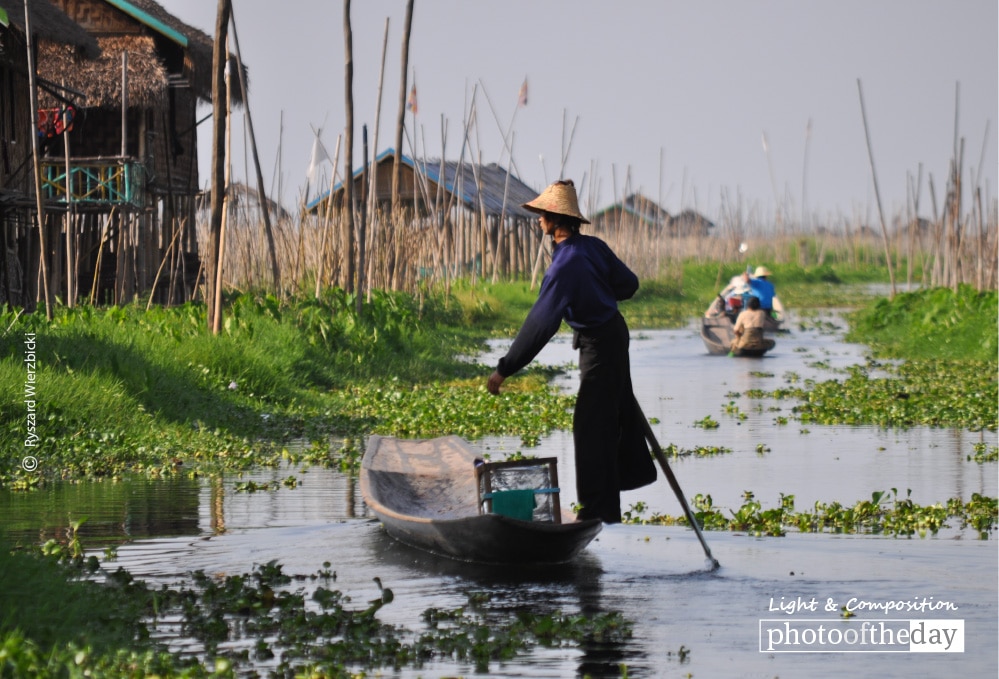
(886, 513)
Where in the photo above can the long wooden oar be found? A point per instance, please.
(657, 452)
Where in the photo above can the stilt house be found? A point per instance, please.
(118, 145)
(48, 26)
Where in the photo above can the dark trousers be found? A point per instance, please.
(611, 452)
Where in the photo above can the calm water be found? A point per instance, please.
(656, 577)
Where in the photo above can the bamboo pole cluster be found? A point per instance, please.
(407, 251)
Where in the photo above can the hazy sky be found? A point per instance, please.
(675, 97)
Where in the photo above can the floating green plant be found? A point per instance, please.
(928, 393)
(707, 422)
(672, 450)
(984, 453)
(731, 408)
(268, 616)
(253, 487)
(885, 513)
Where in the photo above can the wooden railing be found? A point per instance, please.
(95, 181)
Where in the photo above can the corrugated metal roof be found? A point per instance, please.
(462, 180)
(149, 20)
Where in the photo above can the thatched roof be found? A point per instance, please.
(48, 22)
(99, 80)
(199, 47)
(161, 39)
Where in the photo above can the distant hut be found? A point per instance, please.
(471, 212)
(634, 212)
(49, 26)
(689, 223)
(120, 133)
(638, 214)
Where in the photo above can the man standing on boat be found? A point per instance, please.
(583, 286)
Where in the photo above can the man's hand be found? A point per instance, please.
(495, 380)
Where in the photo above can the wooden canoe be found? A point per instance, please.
(428, 494)
(718, 333)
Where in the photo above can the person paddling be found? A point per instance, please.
(582, 286)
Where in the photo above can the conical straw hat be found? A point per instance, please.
(761, 271)
(559, 198)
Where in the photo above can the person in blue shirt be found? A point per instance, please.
(761, 288)
(582, 286)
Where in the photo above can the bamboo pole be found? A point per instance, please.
(347, 233)
(39, 198)
(159, 270)
(957, 271)
(327, 217)
(275, 269)
(219, 268)
(121, 235)
(401, 114)
(364, 216)
(70, 259)
(877, 194)
(954, 237)
(938, 223)
(804, 176)
(980, 259)
(373, 189)
(100, 251)
(218, 161)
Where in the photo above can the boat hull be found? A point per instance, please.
(426, 494)
(494, 539)
(718, 334)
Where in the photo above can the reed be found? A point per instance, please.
(407, 253)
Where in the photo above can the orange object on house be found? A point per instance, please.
(54, 121)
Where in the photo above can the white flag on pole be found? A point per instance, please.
(319, 156)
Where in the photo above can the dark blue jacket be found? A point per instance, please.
(583, 285)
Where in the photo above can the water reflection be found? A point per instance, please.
(112, 511)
